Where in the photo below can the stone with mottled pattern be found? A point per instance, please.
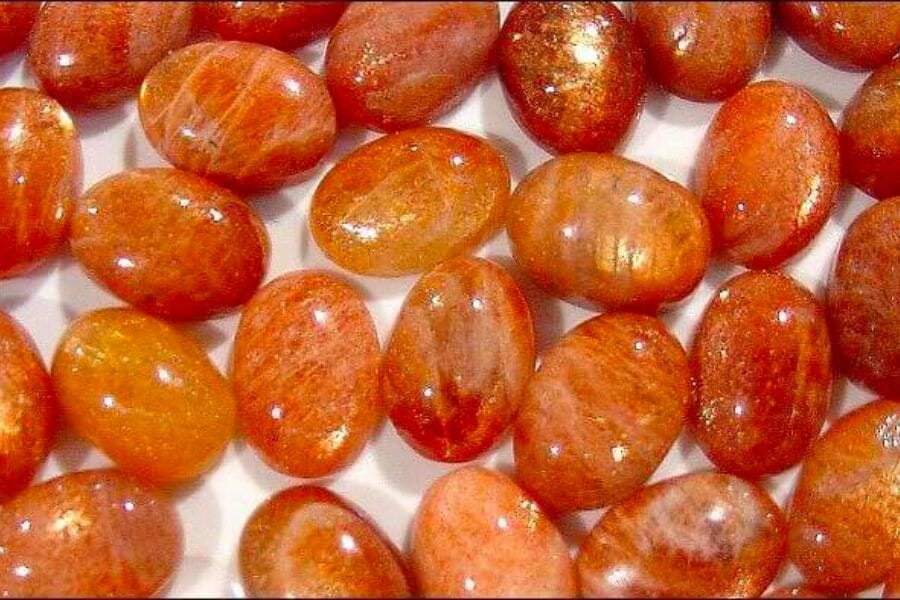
(282, 25)
(16, 20)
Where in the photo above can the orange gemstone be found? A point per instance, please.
(845, 513)
(761, 360)
(245, 115)
(768, 173)
(393, 65)
(283, 25)
(601, 412)
(16, 19)
(27, 408)
(95, 54)
(305, 372)
(306, 542)
(892, 585)
(848, 35)
(698, 535)
(459, 358)
(37, 193)
(862, 298)
(609, 230)
(188, 250)
(144, 393)
(799, 591)
(93, 533)
(476, 533)
(703, 51)
(409, 200)
(574, 73)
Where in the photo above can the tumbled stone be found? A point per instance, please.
(608, 230)
(37, 193)
(282, 25)
(761, 361)
(394, 65)
(698, 535)
(94, 54)
(409, 200)
(27, 408)
(573, 73)
(767, 173)
(244, 115)
(144, 393)
(458, 360)
(305, 371)
(16, 20)
(307, 542)
(477, 534)
(844, 533)
(88, 534)
(602, 411)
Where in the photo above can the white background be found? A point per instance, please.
(389, 478)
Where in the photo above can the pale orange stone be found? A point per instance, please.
(143, 392)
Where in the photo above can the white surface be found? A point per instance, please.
(389, 478)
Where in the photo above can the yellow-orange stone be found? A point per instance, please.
(409, 200)
(144, 393)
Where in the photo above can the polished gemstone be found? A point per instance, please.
(282, 25)
(16, 20)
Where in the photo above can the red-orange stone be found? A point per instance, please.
(458, 360)
(601, 412)
(93, 533)
(844, 533)
(305, 372)
(703, 51)
(573, 73)
(16, 20)
(282, 25)
(863, 298)
(798, 591)
(27, 408)
(768, 173)
(870, 135)
(94, 54)
(761, 360)
(609, 230)
(892, 585)
(699, 535)
(477, 534)
(856, 36)
(188, 249)
(409, 200)
(245, 115)
(393, 65)
(36, 193)
(307, 542)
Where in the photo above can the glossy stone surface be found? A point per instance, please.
(862, 299)
(27, 408)
(798, 591)
(601, 412)
(94, 54)
(92, 533)
(244, 115)
(144, 393)
(282, 25)
(406, 201)
(307, 542)
(170, 243)
(761, 360)
(394, 65)
(477, 534)
(581, 94)
(845, 512)
(305, 372)
(848, 35)
(699, 535)
(870, 134)
(37, 193)
(16, 20)
(703, 51)
(768, 173)
(458, 360)
(614, 232)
